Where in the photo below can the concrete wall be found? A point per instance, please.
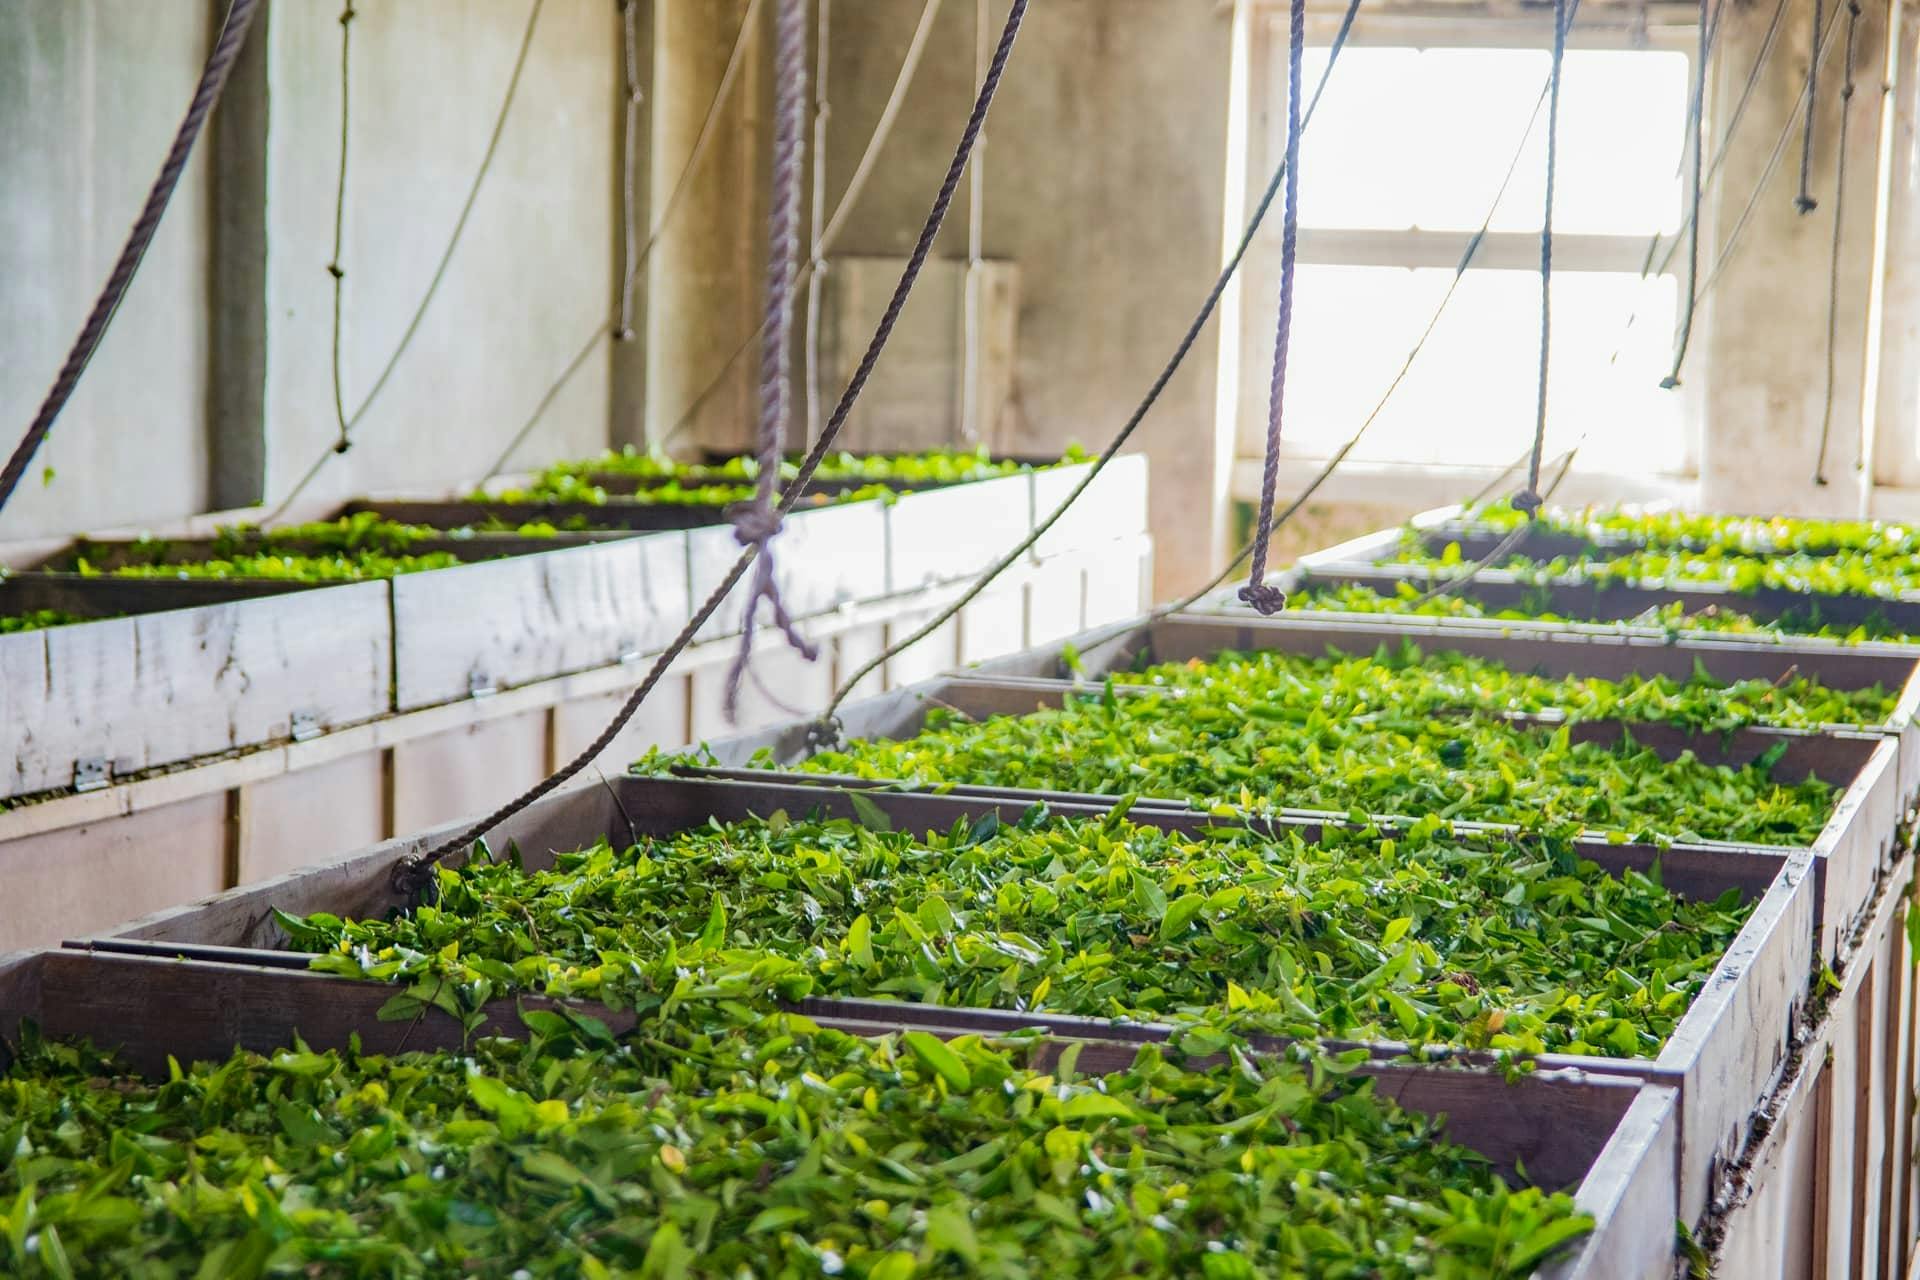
(1105, 164)
(91, 91)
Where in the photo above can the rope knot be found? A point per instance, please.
(824, 735)
(754, 525)
(1528, 502)
(410, 875)
(1266, 598)
(342, 445)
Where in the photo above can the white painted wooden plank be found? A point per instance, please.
(782, 686)
(90, 878)
(944, 535)
(502, 623)
(1630, 1193)
(465, 772)
(1055, 593)
(993, 624)
(939, 652)
(1114, 506)
(854, 649)
(1119, 580)
(302, 819)
(661, 721)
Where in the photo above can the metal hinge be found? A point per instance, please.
(629, 649)
(91, 773)
(481, 685)
(303, 725)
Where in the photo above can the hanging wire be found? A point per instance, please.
(347, 423)
(826, 729)
(1530, 499)
(1804, 200)
(1261, 594)
(411, 874)
(213, 80)
(1833, 258)
(1697, 143)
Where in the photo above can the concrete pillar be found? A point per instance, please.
(632, 144)
(1895, 425)
(236, 142)
(1766, 355)
(704, 277)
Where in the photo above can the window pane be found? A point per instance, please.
(1470, 397)
(1422, 138)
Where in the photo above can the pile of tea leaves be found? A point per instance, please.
(1237, 740)
(1402, 677)
(772, 1148)
(1416, 600)
(1421, 936)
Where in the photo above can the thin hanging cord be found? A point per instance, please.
(849, 199)
(1261, 594)
(629, 164)
(817, 213)
(1698, 143)
(1833, 259)
(1529, 499)
(1406, 366)
(757, 522)
(826, 729)
(346, 423)
(603, 329)
(213, 79)
(410, 874)
(1804, 201)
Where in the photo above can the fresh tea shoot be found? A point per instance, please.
(1238, 740)
(1423, 937)
(776, 1148)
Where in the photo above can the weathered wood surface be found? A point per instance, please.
(1115, 505)
(942, 535)
(158, 688)
(501, 623)
(1723, 1058)
(824, 558)
(1828, 1191)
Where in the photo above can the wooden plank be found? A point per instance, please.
(467, 771)
(994, 623)
(781, 686)
(297, 820)
(853, 650)
(1056, 591)
(939, 652)
(88, 878)
(501, 623)
(1629, 1191)
(661, 721)
(1114, 506)
(943, 535)
(1119, 581)
(159, 688)
(825, 558)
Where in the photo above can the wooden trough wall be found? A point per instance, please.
(493, 701)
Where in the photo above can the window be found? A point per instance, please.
(1406, 151)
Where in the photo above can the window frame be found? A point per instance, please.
(1652, 27)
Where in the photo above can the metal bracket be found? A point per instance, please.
(481, 685)
(629, 649)
(303, 725)
(91, 773)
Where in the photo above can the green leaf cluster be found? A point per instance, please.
(1235, 737)
(36, 620)
(1405, 679)
(1422, 937)
(1610, 527)
(775, 1148)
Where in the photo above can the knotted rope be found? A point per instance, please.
(1258, 592)
(757, 522)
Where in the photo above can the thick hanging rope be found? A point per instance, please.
(1833, 258)
(213, 79)
(1258, 592)
(757, 522)
(1698, 141)
(1528, 499)
(826, 729)
(1804, 200)
(411, 874)
(629, 164)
